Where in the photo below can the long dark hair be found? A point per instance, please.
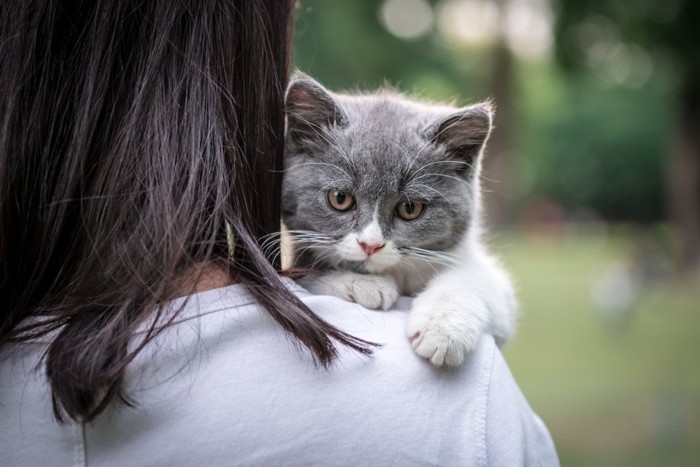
(131, 134)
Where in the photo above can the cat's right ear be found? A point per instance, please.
(463, 134)
(310, 110)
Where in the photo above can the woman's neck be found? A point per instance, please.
(200, 279)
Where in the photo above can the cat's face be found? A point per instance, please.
(373, 180)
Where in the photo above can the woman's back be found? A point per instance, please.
(225, 386)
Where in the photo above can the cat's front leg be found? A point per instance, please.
(369, 290)
(446, 322)
(449, 317)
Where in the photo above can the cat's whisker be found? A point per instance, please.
(270, 248)
(429, 143)
(325, 136)
(436, 191)
(302, 251)
(309, 233)
(432, 256)
(434, 163)
(274, 236)
(323, 257)
(415, 157)
(336, 144)
(310, 238)
(275, 254)
(268, 243)
(405, 260)
(272, 244)
(328, 186)
(270, 235)
(278, 253)
(453, 177)
(418, 154)
(305, 246)
(433, 252)
(490, 180)
(432, 262)
(316, 238)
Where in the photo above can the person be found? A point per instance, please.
(141, 150)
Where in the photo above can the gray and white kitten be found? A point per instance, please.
(381, 197)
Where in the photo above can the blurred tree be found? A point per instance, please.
(596, 149)
(499, 164)
(665, 28)
(343, 44)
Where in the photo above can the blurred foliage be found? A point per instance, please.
(616, 34)
(583, 141)
(592, 146)
(344, 45)
(614, 389)
(670, 26)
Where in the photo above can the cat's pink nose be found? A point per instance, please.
(370, 248)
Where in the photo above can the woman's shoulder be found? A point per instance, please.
(484, 415)
(252, 386)
(225, 384)
(395, 405)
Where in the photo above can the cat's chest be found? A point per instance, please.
(413, 275)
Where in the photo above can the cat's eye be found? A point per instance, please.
(409, 210)
(340, 200)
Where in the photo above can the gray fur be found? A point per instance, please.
(386, 149)
(383, 148)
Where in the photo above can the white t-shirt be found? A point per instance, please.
(225, 386)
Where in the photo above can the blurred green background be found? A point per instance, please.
(593, 191)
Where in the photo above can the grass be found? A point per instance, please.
(621, 390)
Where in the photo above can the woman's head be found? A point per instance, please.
(131, 133)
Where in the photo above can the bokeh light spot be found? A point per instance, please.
(407, 19)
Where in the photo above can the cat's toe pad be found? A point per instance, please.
(437, 346)
(374, 292)
(441, 331)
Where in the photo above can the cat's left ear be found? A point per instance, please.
(311, 110)
(464, 133)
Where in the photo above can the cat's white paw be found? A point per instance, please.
(444, 326)
(370, 291)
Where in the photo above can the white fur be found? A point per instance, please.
(349, 249)
(455, 303)
(372, 234)
(375, 292)
(458, 305)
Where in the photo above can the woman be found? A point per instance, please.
(138, 138)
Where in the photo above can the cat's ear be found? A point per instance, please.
(310, 109)
(463, 134)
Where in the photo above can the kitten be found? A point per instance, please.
(381, 198)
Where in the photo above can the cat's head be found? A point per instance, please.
(372, 180)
